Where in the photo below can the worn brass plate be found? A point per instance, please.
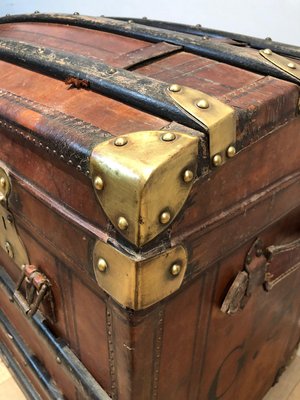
(138, 283)
(138, 181)
(287, 65)
(216, 117)
(9, 238)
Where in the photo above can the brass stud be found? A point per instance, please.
(111, 71)
(202, 103)
(2, 183)
(122, 223)
(102, 265)
(268, 52)
(98, 183)
(120, 141)
(168, 137)
(9, 249)
(217, 160)
(165, 217)
(188, 176)
(175, 88)
(291, 65)
(175, 269)
(231, 151)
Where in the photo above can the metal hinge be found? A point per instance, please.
(217, 118)
(9, 238)
(283, 63)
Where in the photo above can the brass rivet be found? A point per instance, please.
(165, 217)
(291, 65)
(188, 176)
(168, 137)
(122, 223)
(175, 269)
(102, 265)
(3, 183)
(120, 141)
(268, 52)
(111, 71)
(202, 103)
(231, 151)
(217, 160)
(175, 88)
(58, 360)
(9, 249)
(98, 183)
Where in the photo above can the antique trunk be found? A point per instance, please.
(150, 209)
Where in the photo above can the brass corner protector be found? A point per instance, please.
(143, 179)
(135, 282)
(289, 66)
(10, 241)
(217, 118)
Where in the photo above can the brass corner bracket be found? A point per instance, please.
(10, 241)
(290, 67)
(217, 118)
(143, 179)
(136, 282)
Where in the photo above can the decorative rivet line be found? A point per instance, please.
(217, 160)
(202, 103)
(231, 151)
(98, 183)
(120, 141)
(175, 88)
(122, 223)
(165, 217)
(291, 65)
(175, 269)
(168, 137)
(188, 176)
(268, 52)
(102, 265)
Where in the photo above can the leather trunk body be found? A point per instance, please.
(231, 324)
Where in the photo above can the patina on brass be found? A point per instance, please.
(10, 241)
(138, 282)
(283, 63)
(217, 118)
(145, 180)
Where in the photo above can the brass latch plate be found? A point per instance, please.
(288, 66)
(138, 283)
(216, 117)
(9, 238)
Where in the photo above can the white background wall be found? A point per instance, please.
(279, 19)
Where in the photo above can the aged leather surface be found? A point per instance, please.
(183, 347)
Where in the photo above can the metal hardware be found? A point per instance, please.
(257, 272)
(98, 183)
(138, 282)
(253, 275)
(10, 241)
(216, 117)
(37, 290)
(282, 63)
(135, 177)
